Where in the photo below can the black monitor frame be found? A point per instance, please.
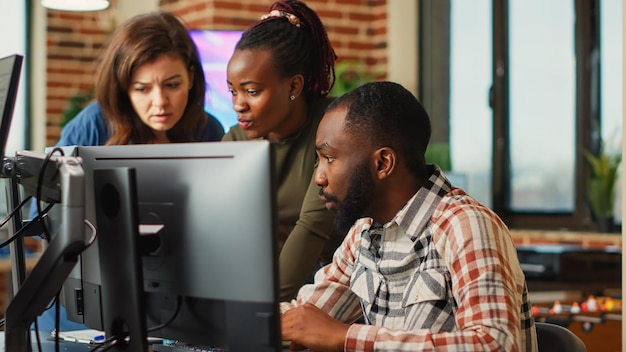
(123, 314)
(10, 70)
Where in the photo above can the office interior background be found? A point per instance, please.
(515, 89)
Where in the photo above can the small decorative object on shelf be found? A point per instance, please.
(591, 310)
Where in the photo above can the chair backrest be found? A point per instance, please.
(555, 338)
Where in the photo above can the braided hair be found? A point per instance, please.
(299, 44)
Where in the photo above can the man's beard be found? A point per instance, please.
(358, 198)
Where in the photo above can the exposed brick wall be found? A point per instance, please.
(357, 29)
(73, 43)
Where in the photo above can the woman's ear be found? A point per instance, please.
(385, 161)
(296, 85)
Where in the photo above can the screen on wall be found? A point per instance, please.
(215, 48)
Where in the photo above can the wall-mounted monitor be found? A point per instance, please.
(215, 48)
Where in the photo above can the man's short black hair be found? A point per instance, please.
(385, 114)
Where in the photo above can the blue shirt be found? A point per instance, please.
(88, 128)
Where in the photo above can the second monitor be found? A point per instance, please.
(207, 220)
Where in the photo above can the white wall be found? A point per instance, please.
(402, 43)
(38, 72)
(126, 9)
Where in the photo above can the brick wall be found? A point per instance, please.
(357, 29)
(73, 42)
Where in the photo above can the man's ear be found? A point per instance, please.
(296, 85)
(385, 161)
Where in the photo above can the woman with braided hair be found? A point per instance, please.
(279, 75)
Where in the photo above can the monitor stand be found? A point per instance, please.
(123, 303)
(56, 262)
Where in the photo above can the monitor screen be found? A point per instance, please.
(210, 208)
(215, 48)
(10, 69)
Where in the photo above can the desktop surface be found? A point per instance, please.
(48, 344)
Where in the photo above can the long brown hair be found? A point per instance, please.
(141, 40)
(297, 45)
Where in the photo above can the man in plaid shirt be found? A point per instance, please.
(424, 266)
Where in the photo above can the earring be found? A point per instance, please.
(293, 97)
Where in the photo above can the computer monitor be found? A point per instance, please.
(10, 69)
(210, 208)
(215, 48)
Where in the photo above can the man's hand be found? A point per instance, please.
(308, 326)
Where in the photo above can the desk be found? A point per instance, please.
(553, 271)
(48, 345)
(584, 239)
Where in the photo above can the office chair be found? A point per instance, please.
(555, 338)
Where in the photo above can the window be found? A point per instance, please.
(527, 79)
(541, 97)
(577, 129)
(470, 72)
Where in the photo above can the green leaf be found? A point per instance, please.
(602, 181)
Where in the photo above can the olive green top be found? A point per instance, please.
(304, 223)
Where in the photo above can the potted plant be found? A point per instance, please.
(75, 104)
(439, 153)
(349, 74)
(602, 183)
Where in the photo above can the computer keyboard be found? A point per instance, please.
(172, 346)
(183, 347)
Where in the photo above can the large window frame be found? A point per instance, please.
(587, 33)
(434, 92)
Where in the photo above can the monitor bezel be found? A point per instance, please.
(12, 66)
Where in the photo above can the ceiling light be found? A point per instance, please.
(76, 5)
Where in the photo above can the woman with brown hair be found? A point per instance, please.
(149, 89)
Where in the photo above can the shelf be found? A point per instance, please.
(584, 239)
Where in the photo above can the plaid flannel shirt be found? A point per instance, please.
(443, 274)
